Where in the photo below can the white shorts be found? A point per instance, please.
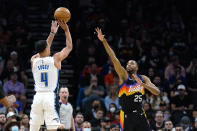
(44, 109)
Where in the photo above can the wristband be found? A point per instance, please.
(52, 33)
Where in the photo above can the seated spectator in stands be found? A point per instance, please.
(179, 127)
(175, 73)
(195, 125)
(13, 86)
(161, 99)
(112, 112)
(2, 121)
(168, 125)
(17, 64)
(12, 125)
(114, 127)
(185, 123)
(86, 126)
(25, 121)
(159, 121)
(181, 102)
(171, 68)
(11, 116)
(90, 109)
(154, 58)
(79, 119)
(151, 73)
(112, 97)
(148, 110)
(88, 72)
(96, 120)
(8, 70)
(111, 79)
(93, 91)
(192, 80)
(105, 124)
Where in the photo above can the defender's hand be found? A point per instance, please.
(99, 34)
(137, 79)
(63, 25)
(54, 26)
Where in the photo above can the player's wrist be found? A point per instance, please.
(52, 33)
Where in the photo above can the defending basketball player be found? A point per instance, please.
(132, 91)
(45, 72)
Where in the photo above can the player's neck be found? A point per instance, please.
(43, 55)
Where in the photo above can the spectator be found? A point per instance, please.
(159, 121)
(185, 123)
(66, 110)
(86, 126)
(174, 72)
(105, 124)
(112, 97)
(11, 116)
(191, 80)
(181, 102)
(114, 127)
(93, 91)
(12, 125)
(25, 122)
(79, 119)
(178, 127)
(13, 86)
(195, 125)
(96, 121)
(168, 125)
(2, 121)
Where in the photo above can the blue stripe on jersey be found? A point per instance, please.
(57, 84)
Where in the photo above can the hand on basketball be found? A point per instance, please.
(63, 25)
(54, 26)
(99, 34)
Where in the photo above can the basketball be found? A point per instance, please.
(62, 13)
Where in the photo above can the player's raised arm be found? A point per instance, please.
(54, 29)
(122, 73)
(66, 50)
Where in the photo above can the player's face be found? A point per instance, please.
(131, 67)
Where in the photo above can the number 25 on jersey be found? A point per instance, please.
(44, 78)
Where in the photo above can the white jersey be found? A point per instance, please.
(66, 112)
(45, 74)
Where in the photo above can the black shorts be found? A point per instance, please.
(135, 121)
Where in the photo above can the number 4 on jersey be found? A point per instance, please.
(44, 78)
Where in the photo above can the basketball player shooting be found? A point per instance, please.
(45, 72)
(132, 91)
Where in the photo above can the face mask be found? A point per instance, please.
(86, 129)
(112, 110)
(15, 128)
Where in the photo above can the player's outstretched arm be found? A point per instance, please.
(54, 29)
(147, 84)
(66, 50)
(122, 73)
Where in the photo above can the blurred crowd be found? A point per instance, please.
(159, 35)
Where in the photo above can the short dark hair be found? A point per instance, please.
(40, 46)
